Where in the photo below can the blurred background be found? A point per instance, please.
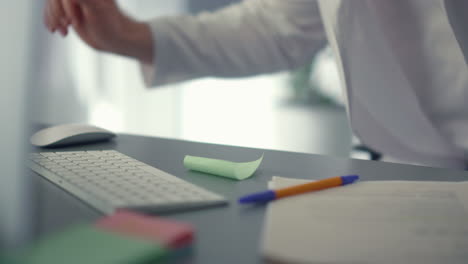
(298, 111)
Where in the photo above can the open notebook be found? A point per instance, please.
(369, 222)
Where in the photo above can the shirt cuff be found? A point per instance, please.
(148, 70)
(164, 69)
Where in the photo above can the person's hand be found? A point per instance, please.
(55, 17)
(103, 26)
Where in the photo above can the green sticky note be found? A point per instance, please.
(228, 169)
(87, 244)
(9, 258)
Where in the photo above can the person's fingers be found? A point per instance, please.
(79, 22)
(58, 16)
(63, 31)
(72, 11)
(64, 22)
(57, 10)
(88, 10)
(98, 6)
(94, 3)
(48, 17)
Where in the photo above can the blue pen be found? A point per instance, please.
(266, 196)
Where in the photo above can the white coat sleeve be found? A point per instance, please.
(457, 11)
(252, 37)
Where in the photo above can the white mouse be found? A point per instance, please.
(70, 134)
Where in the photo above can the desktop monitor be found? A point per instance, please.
(16, 18)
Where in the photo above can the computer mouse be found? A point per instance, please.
(70, 134)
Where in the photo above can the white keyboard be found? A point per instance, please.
(109, 180)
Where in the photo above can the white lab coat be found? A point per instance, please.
(405, 77)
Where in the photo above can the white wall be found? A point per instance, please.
(234, 111)
(77, 84)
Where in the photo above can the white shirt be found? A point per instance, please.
(405, 77)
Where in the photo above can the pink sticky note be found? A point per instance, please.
(169, 233)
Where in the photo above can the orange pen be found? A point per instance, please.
(266, 196)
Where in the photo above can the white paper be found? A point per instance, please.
(370, 222)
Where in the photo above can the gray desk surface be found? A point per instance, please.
(230, 234)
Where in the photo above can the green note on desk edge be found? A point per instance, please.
(223, 168)
(89, 245)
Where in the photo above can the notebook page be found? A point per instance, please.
(370, 222)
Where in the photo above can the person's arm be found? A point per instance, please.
(253, 37)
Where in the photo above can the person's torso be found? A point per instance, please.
(405, 76)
